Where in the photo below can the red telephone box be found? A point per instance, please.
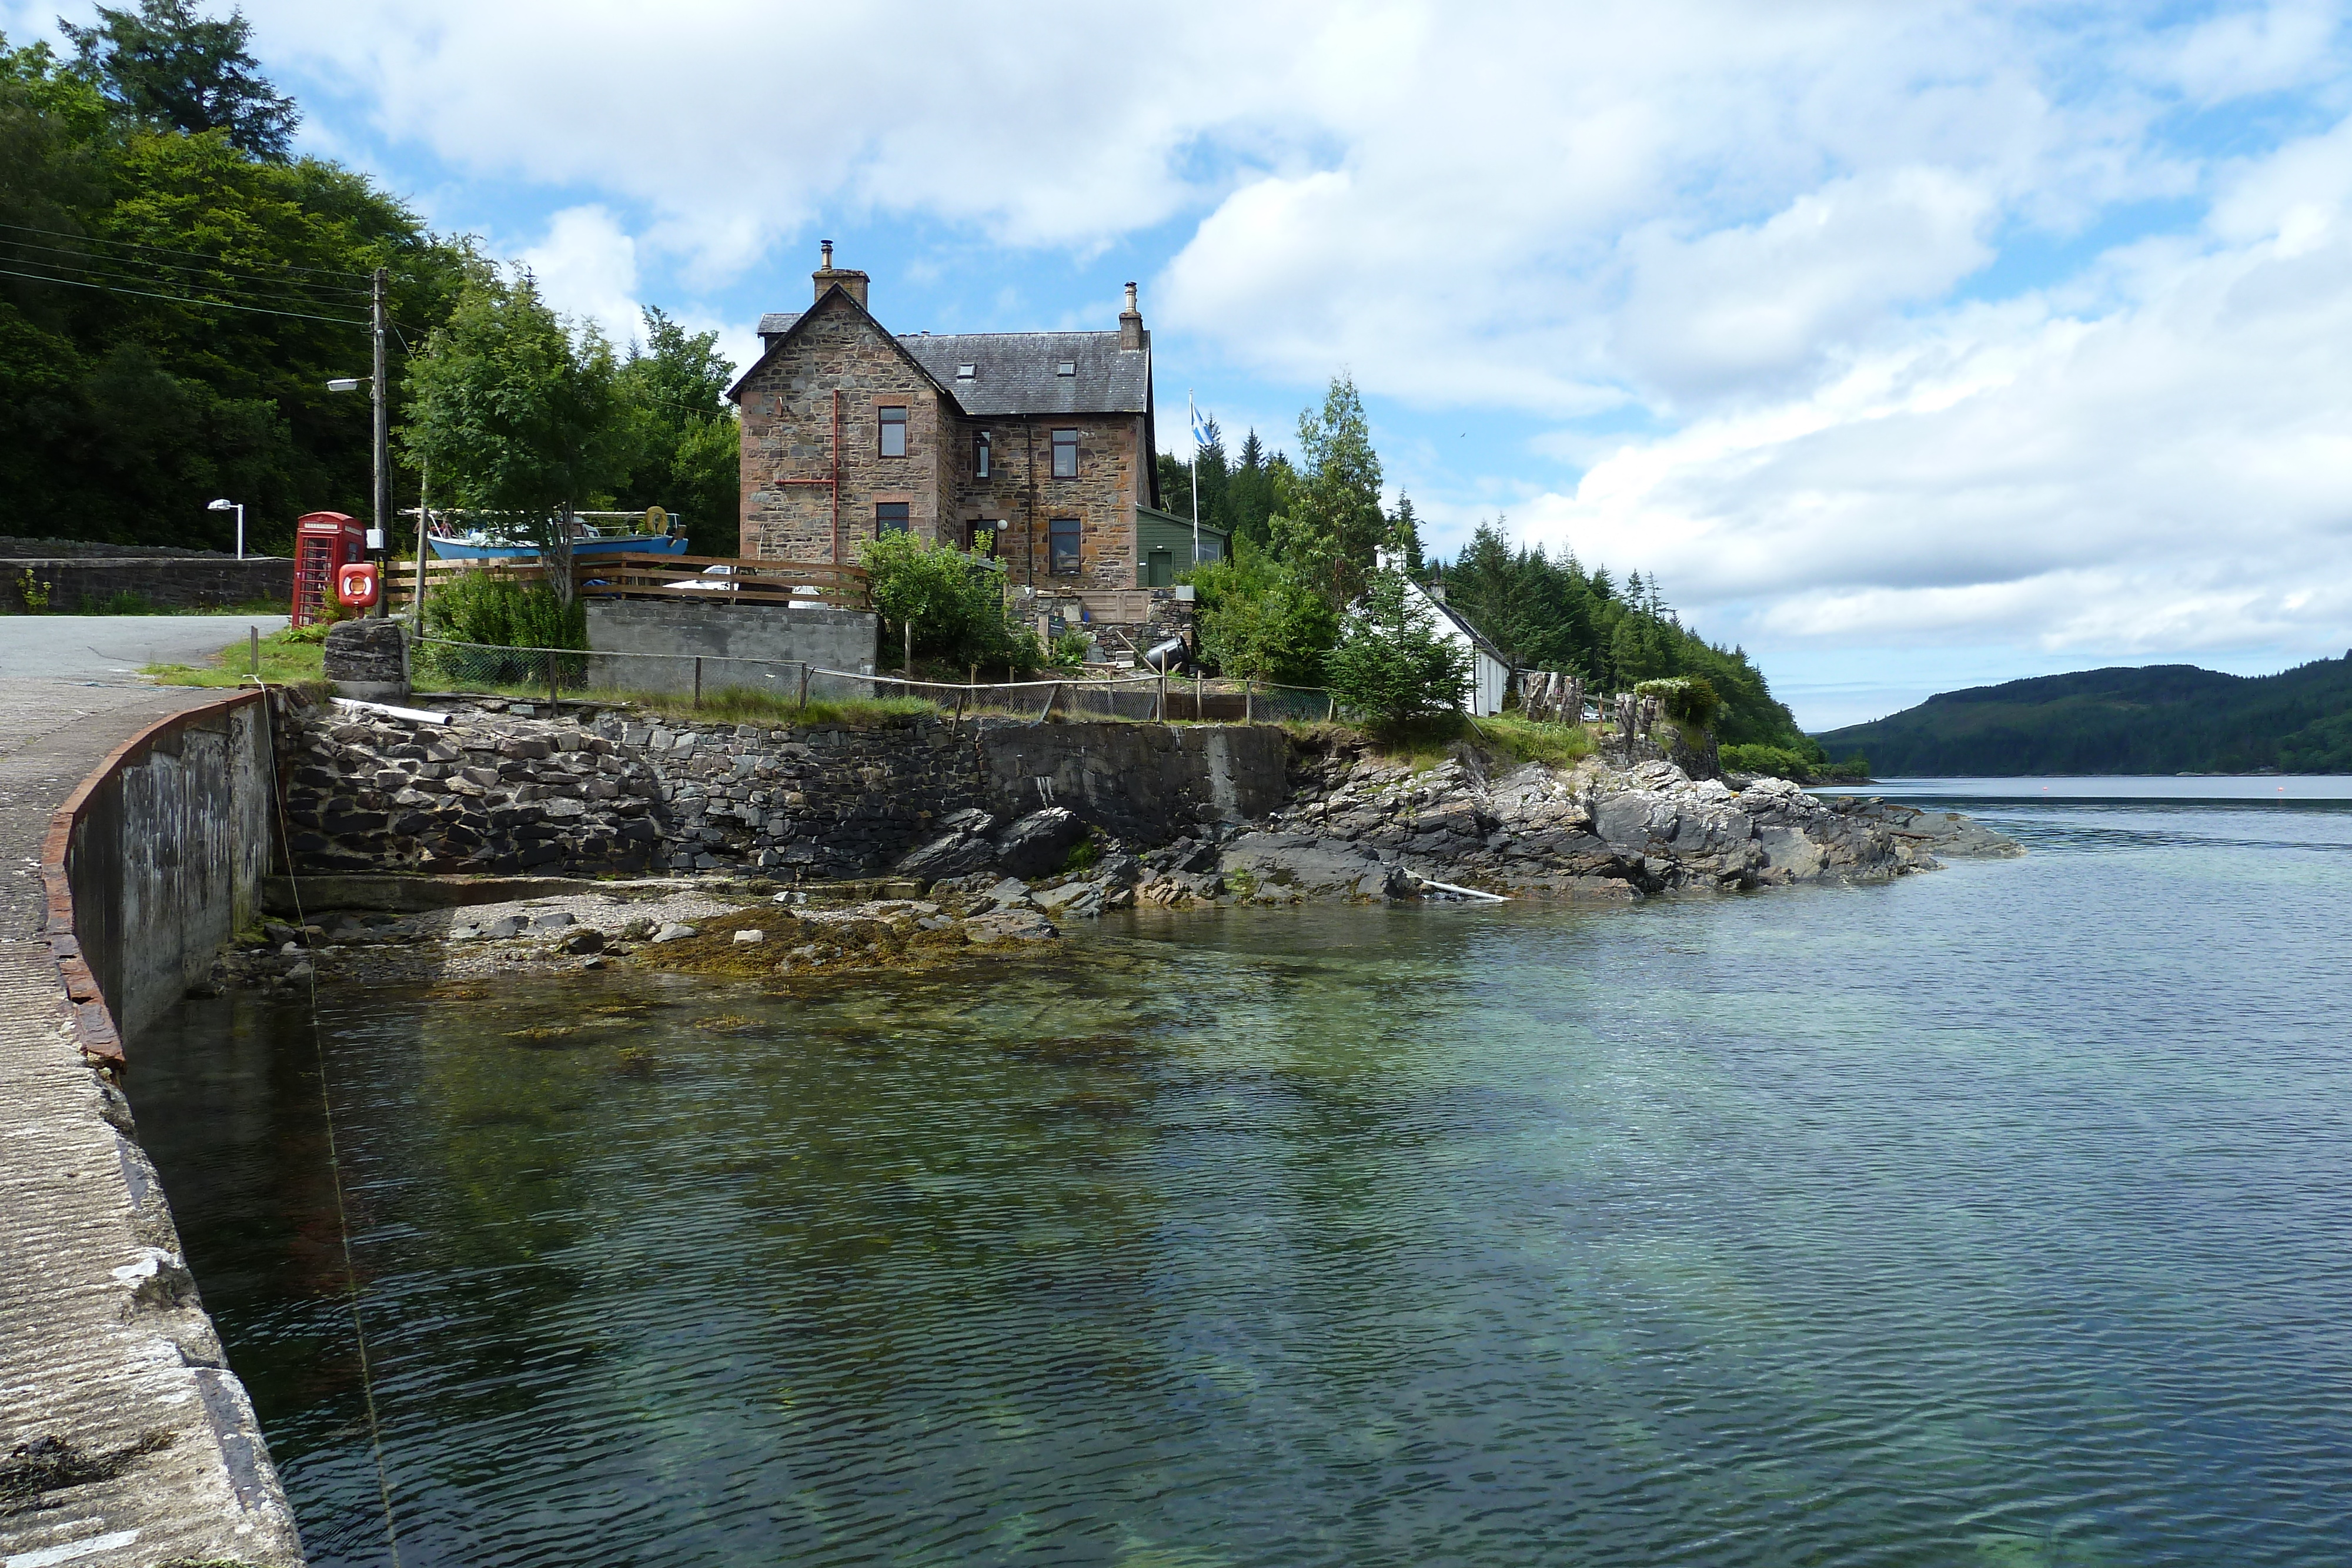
(324, 542)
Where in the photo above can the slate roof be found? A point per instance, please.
(1014, 373)
(775, 325)
(1461, 622)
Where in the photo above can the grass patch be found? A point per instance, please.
(1530, 740)
(749, 704)
(288, 659)
(1424, 742)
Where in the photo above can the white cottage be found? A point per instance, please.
(1490, 670)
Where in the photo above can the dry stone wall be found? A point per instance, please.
(501, 788)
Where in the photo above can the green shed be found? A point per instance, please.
(1163, 545)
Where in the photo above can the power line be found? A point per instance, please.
(184, 299)
(245, 292)
(167, 250)
(82, 258)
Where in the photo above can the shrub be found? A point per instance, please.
(1259, 621)
(1391, 666)
(1069, 651)
(1689, 700)
(954, 600)
(501, 612)
(1777, 761)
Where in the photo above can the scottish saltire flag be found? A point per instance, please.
(1199, 424)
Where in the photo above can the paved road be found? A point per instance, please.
(109, 649)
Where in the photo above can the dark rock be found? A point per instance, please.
(505, 928)
(588, 941)
(1040, 841)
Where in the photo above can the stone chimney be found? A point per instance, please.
(1130, 323)
(853, 283)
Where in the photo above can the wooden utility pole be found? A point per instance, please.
(383, 444)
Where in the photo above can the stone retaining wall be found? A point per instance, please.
(504, 788)
(84, 584)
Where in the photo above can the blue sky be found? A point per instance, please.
(1913, 346)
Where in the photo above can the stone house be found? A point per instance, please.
(1038, 445)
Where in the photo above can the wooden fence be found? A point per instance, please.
(675, 577)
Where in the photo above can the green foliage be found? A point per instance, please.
(1237, 494)
(517, 411)
(2162, 718)
(1806, 764)
(165, 64)
(496, 611)
(1390, 667)
(33, 592)
(1330, 527)
(954, 599)
(1549, 613)
(123, 602)
(123, 413)
(1082, 856)
(1526, 740)
(682, 449)
(1260, 621)
(1689, 700)
(1068, 652)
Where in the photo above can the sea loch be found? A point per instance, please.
(1989, 1216)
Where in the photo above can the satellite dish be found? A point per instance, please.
(657, 520)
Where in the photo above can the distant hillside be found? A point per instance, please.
(2166, 718)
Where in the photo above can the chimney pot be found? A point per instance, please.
(825, 247)
(1130, 323)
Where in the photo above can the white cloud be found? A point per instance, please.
(1882, 276)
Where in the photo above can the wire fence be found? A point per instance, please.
(719, 681)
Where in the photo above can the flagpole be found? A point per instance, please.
(1195, 413)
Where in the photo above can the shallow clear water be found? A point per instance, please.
(1993, 1216)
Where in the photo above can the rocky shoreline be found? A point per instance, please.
(1355, 827)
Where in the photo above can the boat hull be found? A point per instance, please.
(642, 544)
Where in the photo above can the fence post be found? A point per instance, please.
(1050, 698)
(1163, 696)
(697, 680)
(253, 641)
(1249, 699)
(1199, 703)
(553, 701)
(804, 675)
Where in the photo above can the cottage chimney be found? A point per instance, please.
(853, 283)
(1130, 323)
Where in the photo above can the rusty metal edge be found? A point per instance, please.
(86, 1009)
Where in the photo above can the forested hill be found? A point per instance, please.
(2164, 718)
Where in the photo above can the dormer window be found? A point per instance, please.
(979, 455)
(965, 372)
(1067, 368)
(894, 432)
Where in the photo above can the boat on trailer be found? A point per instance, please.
(455, 537)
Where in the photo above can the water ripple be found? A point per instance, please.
(1993, 1218)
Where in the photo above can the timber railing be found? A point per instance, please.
(632, 575)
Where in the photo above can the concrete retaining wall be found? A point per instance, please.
(158, 859)
(649, 645)
(1143, 782)
(84, 584)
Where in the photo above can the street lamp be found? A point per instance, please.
(238, 508)
(379, 535)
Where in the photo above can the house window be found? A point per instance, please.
(979, 455)
(1065, 454)
(1067, 368)
(894, 433)
(889, 517)
(1062, 548)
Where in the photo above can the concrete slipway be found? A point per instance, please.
(123, 1437)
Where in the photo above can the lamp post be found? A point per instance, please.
(238, 508)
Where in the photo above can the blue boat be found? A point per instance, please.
(603, 533)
